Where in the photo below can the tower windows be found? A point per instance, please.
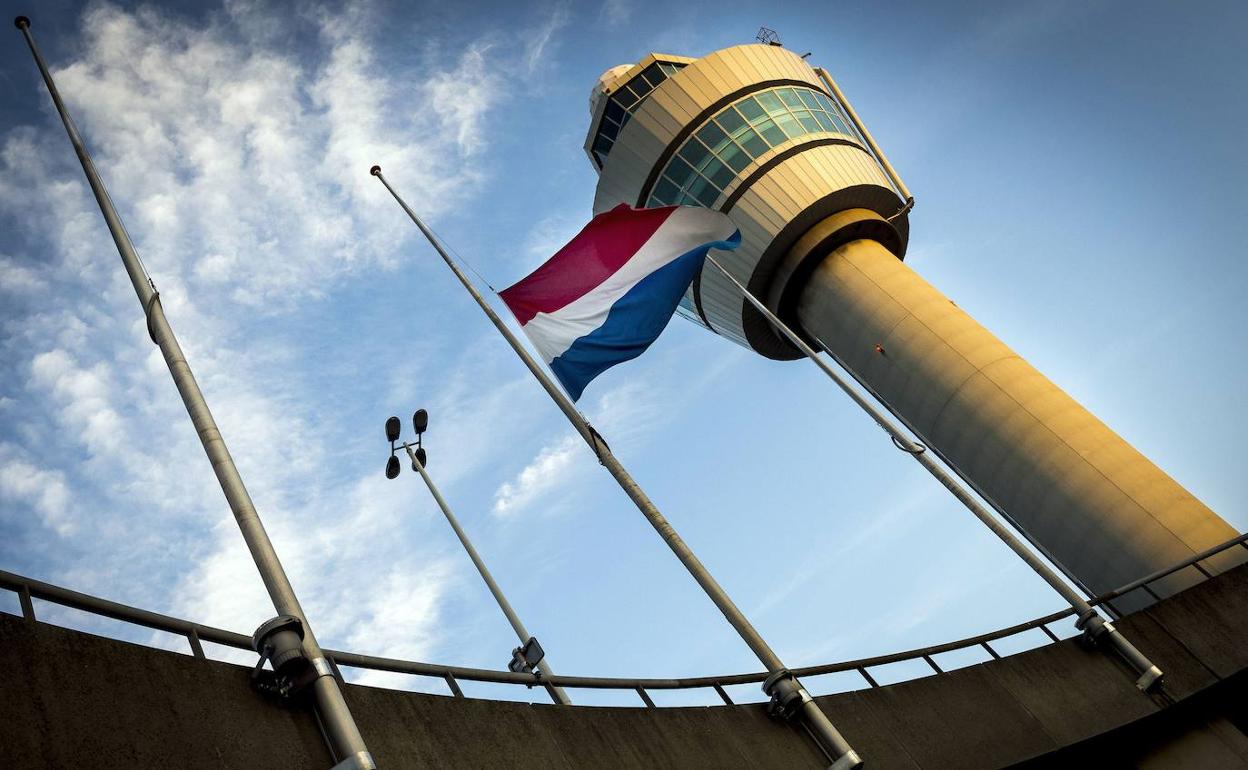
(725, 145)
(709, 160)
(626, 100)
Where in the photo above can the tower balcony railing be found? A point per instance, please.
(28, 589)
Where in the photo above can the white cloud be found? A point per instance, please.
(541, 36)
(461, 98)
(401, 618)
(616, 12)
(625, 416)
(45, 490)
(84, 395)
(246, 166)
(239, 161)
(19, 279)
(551, 233)
(547, 470)
(241, 171)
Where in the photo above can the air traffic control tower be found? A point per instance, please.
(755, 132)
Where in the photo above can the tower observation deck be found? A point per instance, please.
(757, 133)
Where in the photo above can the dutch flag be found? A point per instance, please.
(608, 294)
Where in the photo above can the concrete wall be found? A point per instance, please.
(70, 699)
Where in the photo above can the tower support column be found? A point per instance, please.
(1080, 493)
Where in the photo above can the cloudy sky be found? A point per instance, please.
(1080, 183)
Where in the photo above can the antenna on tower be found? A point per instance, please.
(768, 36)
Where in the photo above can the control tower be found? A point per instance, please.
(755, 132)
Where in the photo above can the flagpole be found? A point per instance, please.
(556, 692)
(1088, 620)
(789, 696)
(345, 741)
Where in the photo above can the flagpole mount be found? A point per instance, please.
(21, 22)
(375, 171)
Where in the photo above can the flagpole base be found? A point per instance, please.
(791, 702)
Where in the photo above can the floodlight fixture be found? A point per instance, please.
(420, 423)
(526, 658)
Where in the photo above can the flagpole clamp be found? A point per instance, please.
(147, 312)
(279, 641)
(788, 696)
(596, 440)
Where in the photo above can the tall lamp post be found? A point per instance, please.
(529, 655)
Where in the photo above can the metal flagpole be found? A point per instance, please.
(557, 693)
(1089, 620)
(789, 696)
(343, 737)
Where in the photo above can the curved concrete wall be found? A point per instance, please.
(69, 699)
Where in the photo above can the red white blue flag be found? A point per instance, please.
(608, 294)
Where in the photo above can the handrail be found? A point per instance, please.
(195, 632)
(117, 611)
(1159, 574)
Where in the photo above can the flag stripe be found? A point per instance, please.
(553, 333)
(586, 261)
(631, 326)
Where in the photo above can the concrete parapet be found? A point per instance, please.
(72, 699)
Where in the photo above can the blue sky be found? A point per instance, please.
(1080, 184)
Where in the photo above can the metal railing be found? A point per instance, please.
(29, 589)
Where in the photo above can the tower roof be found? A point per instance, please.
(606, 83)
(630, 84)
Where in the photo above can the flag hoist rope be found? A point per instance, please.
(342, 735)
(781, 685)
(1089, 620)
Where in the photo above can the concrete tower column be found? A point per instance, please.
(1067, 481)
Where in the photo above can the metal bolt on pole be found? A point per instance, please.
(784, 687)
(557, 693)
(345, 741)
(1096, 627)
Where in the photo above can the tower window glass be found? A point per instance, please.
(708, 161)
(626, 100)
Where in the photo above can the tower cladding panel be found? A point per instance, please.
(754, 132)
